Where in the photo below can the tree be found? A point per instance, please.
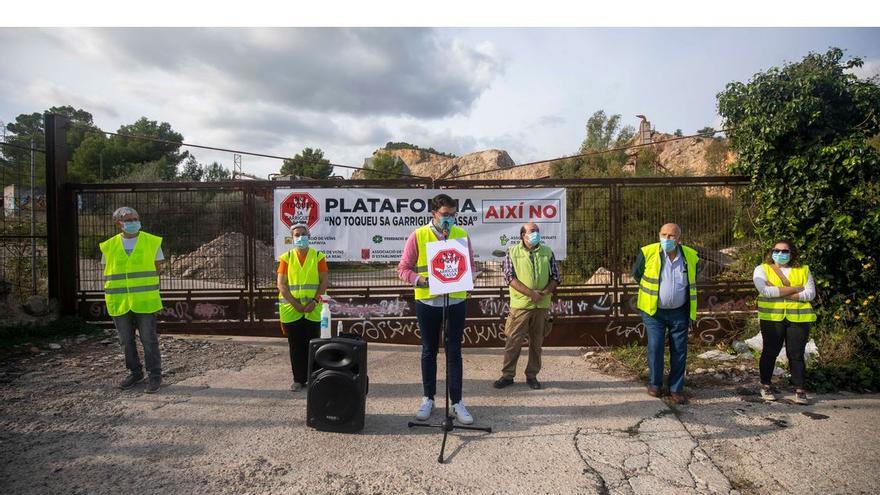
(801, 134)
(308, 163)
(87, 161)
(603, 134)
(384, 166)
(28, 126)
(678, 133)
(192, 170)
(123, 152)
(708, 131)
(716, 156)
(216, 172)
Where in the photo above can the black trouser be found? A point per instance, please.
(299, 333)
(795, 337)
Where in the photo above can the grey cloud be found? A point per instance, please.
(549, 120)
(289, 125)
(56, 95)
(388, 71)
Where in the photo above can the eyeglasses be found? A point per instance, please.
(780, 251)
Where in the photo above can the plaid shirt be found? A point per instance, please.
(510, 273)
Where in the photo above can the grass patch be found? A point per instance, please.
(855, 376)
(634, 358)
(21, 333)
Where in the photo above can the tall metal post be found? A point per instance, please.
(60, 217)
(618, 266)
(33, 203)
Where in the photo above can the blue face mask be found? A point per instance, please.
(534, 238)
(667, 244)
(446, 222)
(781, 258)
(301, 241)
(131, 226)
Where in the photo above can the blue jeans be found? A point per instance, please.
(430, 320)
(146, 327)
(678, 322)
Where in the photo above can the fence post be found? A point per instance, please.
(60, 217)
(617, 264)
(249, 231)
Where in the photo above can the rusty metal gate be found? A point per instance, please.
(219, 274)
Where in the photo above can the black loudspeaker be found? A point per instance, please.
(338, 384)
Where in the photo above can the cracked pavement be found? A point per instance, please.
(237, 429)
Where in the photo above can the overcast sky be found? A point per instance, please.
(348, 91)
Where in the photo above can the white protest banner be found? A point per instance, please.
(359, 224)
(449, 266)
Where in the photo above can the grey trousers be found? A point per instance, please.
(146, 326)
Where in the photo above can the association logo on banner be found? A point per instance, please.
(448, 265)
(299, 207)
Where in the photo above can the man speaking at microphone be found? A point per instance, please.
(413, 269)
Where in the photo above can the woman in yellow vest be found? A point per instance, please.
(302, 279)
(131, 293)
(785, 289)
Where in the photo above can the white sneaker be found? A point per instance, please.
(462, 414)
(425, 409)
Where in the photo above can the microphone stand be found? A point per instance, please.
(447, 425)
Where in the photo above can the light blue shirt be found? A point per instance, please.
(673, 282)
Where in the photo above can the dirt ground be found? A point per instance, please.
(224, 422)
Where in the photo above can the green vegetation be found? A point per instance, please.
(384, 166)
(716, 156)
(803, 134)
(390, 146)
(97, 157)
(603, 133)
(308, 163)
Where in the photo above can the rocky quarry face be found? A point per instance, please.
(497, 163)
(679, 157)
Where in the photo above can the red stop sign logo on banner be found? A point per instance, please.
(299, 207)
(448, 265)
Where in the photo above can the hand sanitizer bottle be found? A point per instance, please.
(325, 320)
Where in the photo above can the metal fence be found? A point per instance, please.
(23, 245)
(219, 275)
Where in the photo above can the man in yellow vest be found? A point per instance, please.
(131, 292)
(532, 275)
(302, 280)
(413, 269)
(666, 272)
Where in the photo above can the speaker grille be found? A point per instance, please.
(334, 395)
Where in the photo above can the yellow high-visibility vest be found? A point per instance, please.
(649, 285)
(533, 270)
(303, 281)
(131, 282)
(780, 308)
(424, 235)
